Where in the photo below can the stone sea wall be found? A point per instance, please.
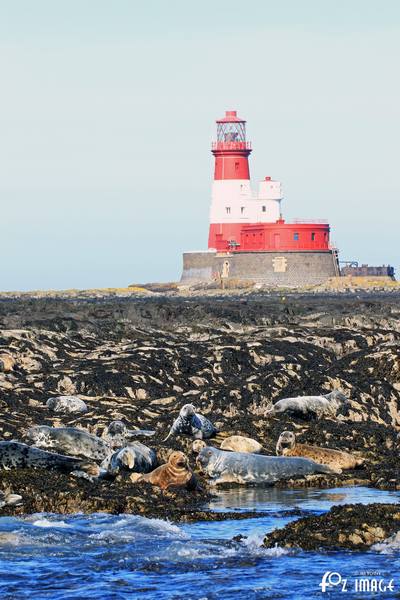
(292, 269)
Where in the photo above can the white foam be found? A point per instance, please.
(12, 539)
(276, 551)
(48, 523)
(254, 542)
(166, 526)
(389, 546)
(189, 551)
(133, 527)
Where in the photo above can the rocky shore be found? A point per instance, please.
(140, 359)
(46, 491)
(351, 526)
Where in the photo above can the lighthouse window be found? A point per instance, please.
(236, 166)
(242, 209)
(228, 210)
(296, 236)
(313, 236)
(264, 208)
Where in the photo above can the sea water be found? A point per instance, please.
(59, 557)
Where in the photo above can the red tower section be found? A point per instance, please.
(231, 150)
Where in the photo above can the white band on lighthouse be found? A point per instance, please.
(233, 201)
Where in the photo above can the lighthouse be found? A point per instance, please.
(248, 237)
(233, 203)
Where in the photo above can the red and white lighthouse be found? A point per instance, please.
(248, 237)
(243, 221)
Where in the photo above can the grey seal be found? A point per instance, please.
(7, 363)
(240, 443)
(117, 434)
(197, 446)
(327, 404)
(7, 499)
(245, 468)
(135, 457)
(66, 404)
(16, 455)
(174, 473)
(337, 459)
(70, 440)
(192, 423)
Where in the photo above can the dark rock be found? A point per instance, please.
(140, 359)
(350, 526)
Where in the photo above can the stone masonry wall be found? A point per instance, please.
(292, 269)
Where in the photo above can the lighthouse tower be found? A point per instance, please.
(233, 204)
(248, 236)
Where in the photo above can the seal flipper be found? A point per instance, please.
(138, 432)
(168, 436)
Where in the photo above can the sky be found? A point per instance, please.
(107, 113)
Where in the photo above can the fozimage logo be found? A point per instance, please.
(332, 579)
(366, 583)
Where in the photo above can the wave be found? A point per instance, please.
(12, 539)
(135, 528)
(253, 544)
(390, 546)
(49, 523)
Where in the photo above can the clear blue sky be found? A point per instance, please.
(107, 112)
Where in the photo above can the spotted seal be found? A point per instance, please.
(245, 468)
(16, 455)
(240, 443)
(66, 404)
(69, 440)
(327, 404)
(336, 459)
(135, 457)
(190, 422)
(174, 473)
(117, 434)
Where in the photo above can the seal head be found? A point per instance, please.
(287, 440)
